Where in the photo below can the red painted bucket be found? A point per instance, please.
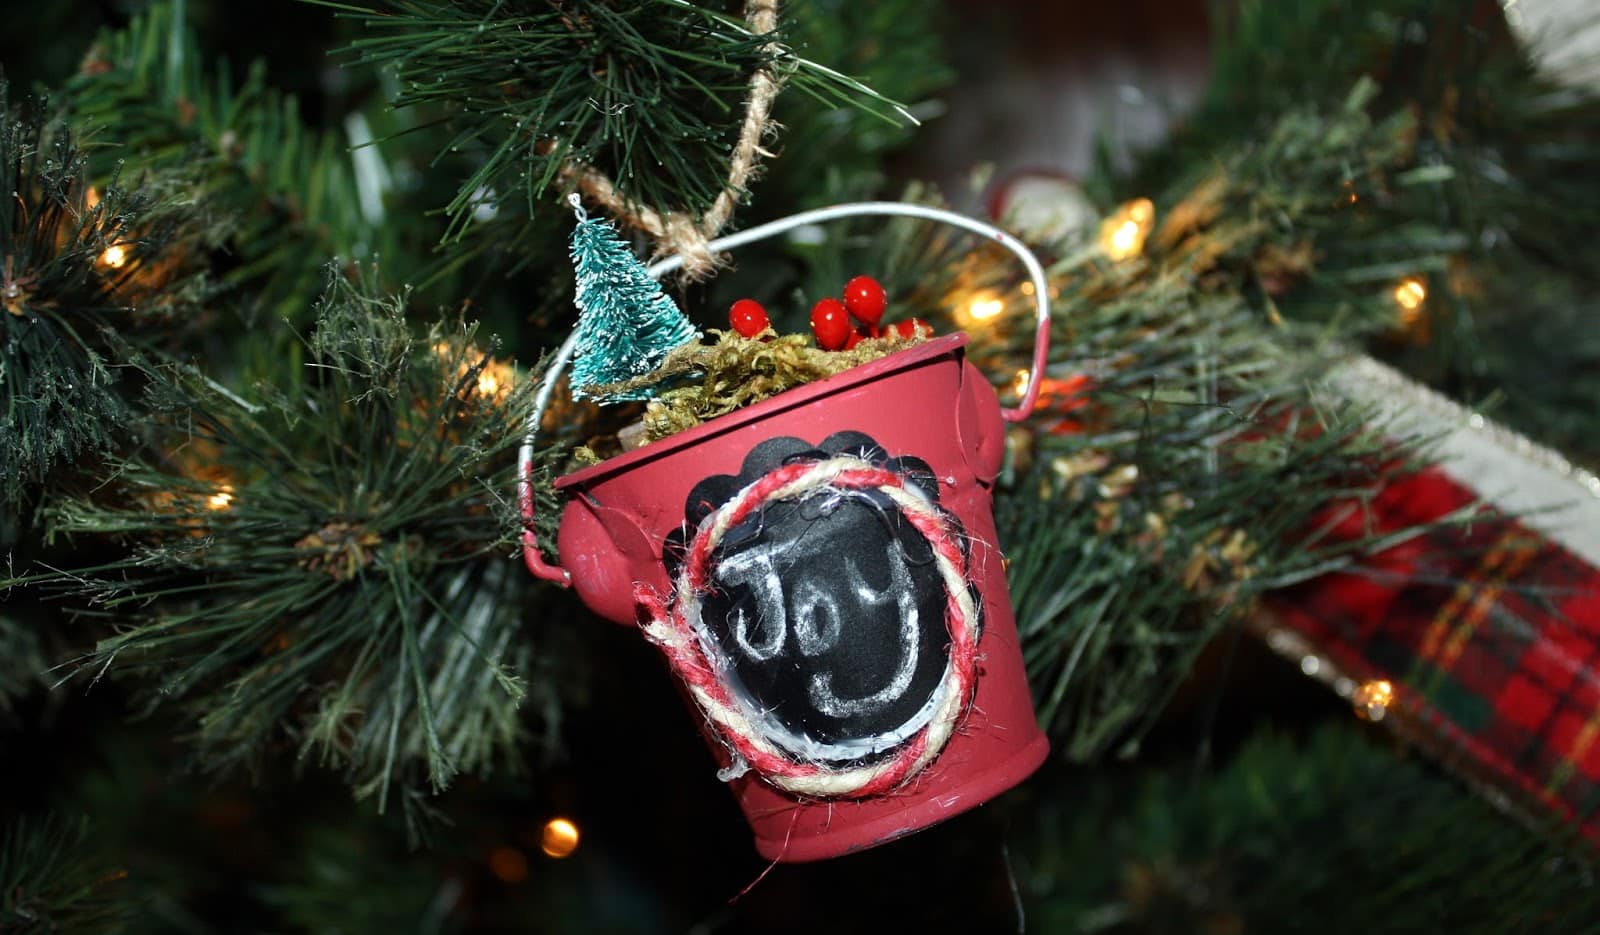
(860, 627)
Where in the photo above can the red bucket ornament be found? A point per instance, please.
(821, 570)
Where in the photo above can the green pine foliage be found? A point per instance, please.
(78, 269)
(1197, 481)
(1289, 197)
(1331, 833)
(347, 881)
(52, 879)
(293, 196)
(650, 92)
(1492, 203)
(1181, 463)
(323, 567)
(626, 324)
(893, 46)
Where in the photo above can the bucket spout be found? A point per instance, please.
(607, 554)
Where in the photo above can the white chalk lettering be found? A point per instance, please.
(902, 593)
(761, 623)
(818, 622)
(754, 567)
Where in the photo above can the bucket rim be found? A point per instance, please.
(945, 345)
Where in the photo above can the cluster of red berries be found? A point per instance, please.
(864, 301)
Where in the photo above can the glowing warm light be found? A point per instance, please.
(560, 838)
(1124, 241)
(508, 864)
(983, 308)
(114, 256)
(1373, 698)
(1019, 383)
(494, 379)
(222, 499)
(91, 198)
(1411, 293)
(1122, 235)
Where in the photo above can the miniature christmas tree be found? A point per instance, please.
(626, 324)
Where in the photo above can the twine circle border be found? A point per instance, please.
(671, 629)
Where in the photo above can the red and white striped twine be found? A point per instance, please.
(671, 629)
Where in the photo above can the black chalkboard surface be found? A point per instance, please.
(826, 613)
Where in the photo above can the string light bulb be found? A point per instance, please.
(494, 379)
(1372, 699)
(1411, 293)
(1123, 233)
(222, 499)
(114, 256)
(1019, 383)
(559, 839)
(984, 307)
(1410, 298)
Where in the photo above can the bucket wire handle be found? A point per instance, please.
(1041, 335)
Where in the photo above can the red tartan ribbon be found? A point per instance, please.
(1489, 633)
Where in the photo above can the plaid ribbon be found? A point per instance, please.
(1489, 633)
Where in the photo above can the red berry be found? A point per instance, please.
(913, 327)
(856, 337)
(865, 299)
(748, 318)
(830, 323)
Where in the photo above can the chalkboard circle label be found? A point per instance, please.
(823, 619)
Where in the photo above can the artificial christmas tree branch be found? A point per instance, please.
(1331, 823)
(293, 197)
(1491, 183)
(1182, 449)
(52, 881)
(677, 234)
(674, 175)
(324, 568)
(77, 267)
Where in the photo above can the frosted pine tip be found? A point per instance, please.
(576, 200)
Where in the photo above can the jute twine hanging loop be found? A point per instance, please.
(679, 233)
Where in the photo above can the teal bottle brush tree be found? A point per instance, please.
(626, 324)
